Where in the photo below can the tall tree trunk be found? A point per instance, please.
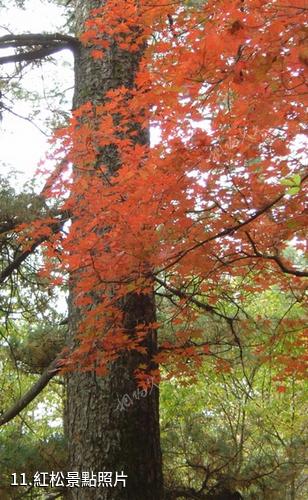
(103, 433)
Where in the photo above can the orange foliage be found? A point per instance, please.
(224, 82)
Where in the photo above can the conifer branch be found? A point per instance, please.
(32, 393)
(39, 45)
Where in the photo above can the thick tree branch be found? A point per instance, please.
(30, 39)
(40, 46)
(32, 55)
(31, 394)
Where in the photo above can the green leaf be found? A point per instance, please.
(293, 190)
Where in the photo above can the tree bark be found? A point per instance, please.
(109, 424)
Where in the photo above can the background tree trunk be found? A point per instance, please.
(103, 434)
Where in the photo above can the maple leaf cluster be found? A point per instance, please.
(220, 196)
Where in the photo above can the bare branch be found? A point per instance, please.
(32, 55)
(26, 118)
(229, 231)
(190, 298)
(30, 39)
(40, 45)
